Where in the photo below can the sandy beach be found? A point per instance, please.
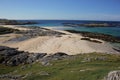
(69, 43)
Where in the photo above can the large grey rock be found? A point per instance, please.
(33, 57)
(18, 59)
(6, 51)
(113, 75)
(57, 56)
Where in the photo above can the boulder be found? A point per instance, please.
(6, 51)
(18, 59)
(33, 57)
(113, 75)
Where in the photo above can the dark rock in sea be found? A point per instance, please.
(113, 75)
(101, 36)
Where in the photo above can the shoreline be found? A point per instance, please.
(68, 43)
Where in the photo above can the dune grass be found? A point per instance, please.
(75, 68)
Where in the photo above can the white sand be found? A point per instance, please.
(70, 44)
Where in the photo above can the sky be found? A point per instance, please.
(61, 9)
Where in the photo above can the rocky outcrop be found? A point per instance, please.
(57, 56)
(88, 39)
(35, 32)
(113, 75)
(104, 37)
(93, 24)
(13, 57)
(5, 30)
(33, 57)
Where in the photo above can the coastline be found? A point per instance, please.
(68, 43)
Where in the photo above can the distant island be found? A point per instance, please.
(93, 24)
(15, 22)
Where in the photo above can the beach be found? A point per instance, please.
(68, 43)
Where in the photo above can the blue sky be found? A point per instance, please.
(61, 9)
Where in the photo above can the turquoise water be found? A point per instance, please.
(57, 24)
(115, 31)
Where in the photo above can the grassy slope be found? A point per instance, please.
(70, 69)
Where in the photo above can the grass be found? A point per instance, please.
(69, 69)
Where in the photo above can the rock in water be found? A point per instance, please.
(113, 75)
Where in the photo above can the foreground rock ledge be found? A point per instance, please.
(13, 57)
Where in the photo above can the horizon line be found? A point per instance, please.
(64, 19)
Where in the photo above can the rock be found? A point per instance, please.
(59, 54)
(23, 67)
(28, 74)
(101, 36)
(88, 39)
(13, 57)
(3, 48)
(18, 59)
(10, 77)
(33, 57)
(113, 75)
(46, 60)
(6, 51)
(55, 56)
(45, 63)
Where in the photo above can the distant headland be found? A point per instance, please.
(15, 22)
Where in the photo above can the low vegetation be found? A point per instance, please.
(92, 66)
(5, 30)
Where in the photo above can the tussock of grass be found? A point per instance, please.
(70, 69)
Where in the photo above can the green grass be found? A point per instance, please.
(69, 69)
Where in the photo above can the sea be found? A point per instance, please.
(58, 24)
